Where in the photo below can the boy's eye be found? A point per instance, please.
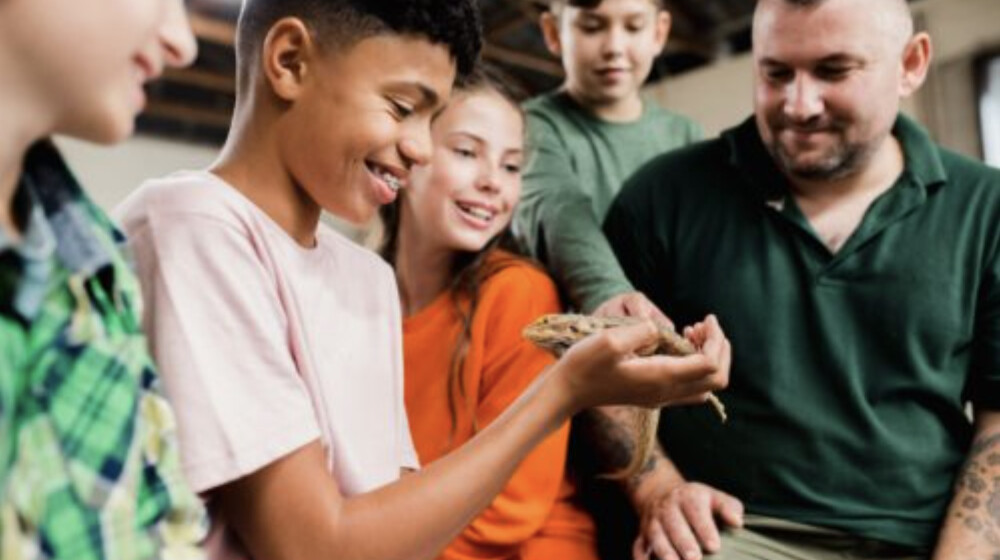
(401, 109)
(512, 168)
(464, 152)
(636, 26)
(590, 25)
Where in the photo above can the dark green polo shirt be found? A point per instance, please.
(851, 370)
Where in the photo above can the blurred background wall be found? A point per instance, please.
(705, 72)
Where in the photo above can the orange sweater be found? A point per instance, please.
(532, 518)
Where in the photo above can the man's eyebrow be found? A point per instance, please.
(840, 58)
(836, 58)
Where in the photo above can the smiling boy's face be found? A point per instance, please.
(362, 120)
(607, 50)
(79, 67)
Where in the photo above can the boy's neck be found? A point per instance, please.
(249, 163)
(625, 110)
(8, 185)
(423, 270)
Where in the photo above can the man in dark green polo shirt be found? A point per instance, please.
(856, 267)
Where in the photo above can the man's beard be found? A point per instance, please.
(841, 160)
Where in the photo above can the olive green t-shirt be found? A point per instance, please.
(576, 163)
(851, 370)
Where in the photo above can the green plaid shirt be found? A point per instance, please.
(88, 450)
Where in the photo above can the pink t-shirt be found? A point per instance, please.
(265, 346)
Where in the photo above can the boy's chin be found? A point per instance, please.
(104, 133)
(359, 215)
(618, 93)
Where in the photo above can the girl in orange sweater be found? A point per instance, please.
(465, 299)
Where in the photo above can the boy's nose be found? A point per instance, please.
(416, 148)
(176, 38)
(614, 42)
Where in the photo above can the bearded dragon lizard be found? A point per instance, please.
(557, 333)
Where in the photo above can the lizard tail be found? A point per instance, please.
(647, 420)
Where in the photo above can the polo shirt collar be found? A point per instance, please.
(922, 155)
(747, 152)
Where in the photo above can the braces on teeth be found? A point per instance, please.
(392, 181)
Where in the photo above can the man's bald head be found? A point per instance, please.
(829, 78)
(894, 16)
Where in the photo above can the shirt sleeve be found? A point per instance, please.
(511, 300)
(985, 386)
(629, 245)
(695, 133)
(556, 220)
(410, 460)
(220, 337)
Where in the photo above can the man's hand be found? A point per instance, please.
(633, 304)
(681, 523)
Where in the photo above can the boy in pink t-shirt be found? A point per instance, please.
(269, 345)
(279, 342)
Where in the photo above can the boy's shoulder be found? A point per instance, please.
(558, 110)
(654, 111)
(201, 197)
(551, 101)
(352, 256)
(182, 193)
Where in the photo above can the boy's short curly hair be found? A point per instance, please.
(455, 24)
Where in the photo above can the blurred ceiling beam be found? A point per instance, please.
(521, 59)
(213, 29)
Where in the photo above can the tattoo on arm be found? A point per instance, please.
(609, 431)
(977, 491)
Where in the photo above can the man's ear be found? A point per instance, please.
(916, 63)
(287, 53)
(549, 23)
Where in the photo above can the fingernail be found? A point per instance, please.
(691, 554)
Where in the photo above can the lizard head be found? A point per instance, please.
(555, 332)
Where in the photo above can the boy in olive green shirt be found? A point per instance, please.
(588, 137)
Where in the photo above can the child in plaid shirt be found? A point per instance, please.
(88, 455)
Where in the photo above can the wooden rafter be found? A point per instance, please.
(522, 59)
(499, 31)
(214, 30)
(184, 113)
(203, 79)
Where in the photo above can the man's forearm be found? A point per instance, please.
(610, 431)
(971, 530)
